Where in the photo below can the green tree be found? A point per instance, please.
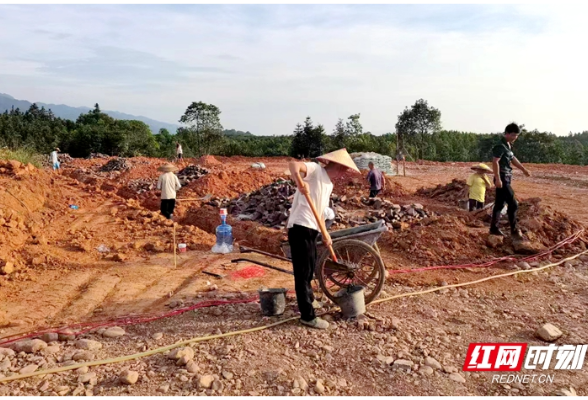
(204, 131)
(418, 124)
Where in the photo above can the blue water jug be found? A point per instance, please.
(224, 236)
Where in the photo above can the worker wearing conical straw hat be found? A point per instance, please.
(168, 183)
(303, 228)
(478, 182)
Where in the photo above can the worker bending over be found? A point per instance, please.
(303, 228)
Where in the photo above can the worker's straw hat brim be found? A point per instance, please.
(482, 167)
(340, 157)
(167, 168)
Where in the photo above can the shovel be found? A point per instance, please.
(333, 264)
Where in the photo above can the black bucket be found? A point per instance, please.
(272, 301)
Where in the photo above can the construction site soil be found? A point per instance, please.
(82, 245)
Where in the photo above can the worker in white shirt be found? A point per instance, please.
(55, 159)
(169, 184)
(179, 152)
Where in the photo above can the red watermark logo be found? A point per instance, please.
(495, 357)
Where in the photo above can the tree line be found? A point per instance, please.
(418, 135)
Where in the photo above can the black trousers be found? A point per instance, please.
(303, 247)
(167, 207)
(505, 195)
(374, 192)
(475, 205)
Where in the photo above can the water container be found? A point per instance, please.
(224, 235)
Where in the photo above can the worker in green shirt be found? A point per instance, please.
(501, 165)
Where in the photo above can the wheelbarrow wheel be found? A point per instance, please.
(363, 266)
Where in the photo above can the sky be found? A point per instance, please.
(267, 67)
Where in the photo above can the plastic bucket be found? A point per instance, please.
(351, 301)
(182, 247)
(272, 301)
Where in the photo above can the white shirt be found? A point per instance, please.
(179, 150)
(168, 183)
(329, 214)
(54, 157)
(320, 187)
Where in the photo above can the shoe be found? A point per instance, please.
(496, 231)
(316, 305)
(316, 323)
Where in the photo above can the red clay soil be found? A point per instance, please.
(208, 161)
(228, 184)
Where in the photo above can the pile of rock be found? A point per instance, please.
(63, 158)
(116, 164)
(271, 206)
(191, 173)
(97, 155)
(383, 163)
(142, 185)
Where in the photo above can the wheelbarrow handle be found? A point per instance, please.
(320, 224)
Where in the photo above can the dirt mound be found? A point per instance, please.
(208, 160)
(359, 183)
(544, 224)
(451, 193)
(229, 184)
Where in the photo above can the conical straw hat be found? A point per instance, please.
(482, 167)
(167, 168)
(341, 157)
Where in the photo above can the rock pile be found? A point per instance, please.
(451, 193)
(383, 163)
(142, 185)
(191, 173)
(271, 206)
(63, 158)
(96, 155)
(116, 164)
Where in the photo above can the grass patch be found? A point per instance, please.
(23, 155)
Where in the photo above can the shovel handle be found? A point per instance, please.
(320, 224)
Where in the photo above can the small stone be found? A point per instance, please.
(431, 362)
(28, 369)
(405, 365)
(217, 385)
(30, 346)
(66, 335)
(319, 387)
(163, 389)
(205, 381)
(549, 333)
(341, 382)
(114, 332)
(7, 268)
(4, 351)
(44, 386)
(384, 359)
(565, 392)
(182, 355)
(83, 355)
(494, 241)
(192, 367)
(395, 323)
(50, 337)
(524, 265)
(85, 378)
(302, 383)
(227, 375)
(426, 370)
(457, 377)
(129, 377)
(449, 369)
(87, 344)
(82, 370)
(62, 390)
(157, 336)
(51, 349)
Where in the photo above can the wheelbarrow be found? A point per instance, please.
(360, 263)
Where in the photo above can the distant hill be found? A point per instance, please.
(72, 113)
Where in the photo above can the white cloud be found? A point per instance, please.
(269, 67)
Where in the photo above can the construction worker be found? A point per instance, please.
(303, 229)
(501, 165)
(376, 180)
(179, 151)
(55, 158)
(478, 182)
(168, 183)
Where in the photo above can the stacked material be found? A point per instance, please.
(116, 164)
(191, 173)
(271, 205)
(142, 185)
(63, 158)
(97, 155)
(383, 163)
